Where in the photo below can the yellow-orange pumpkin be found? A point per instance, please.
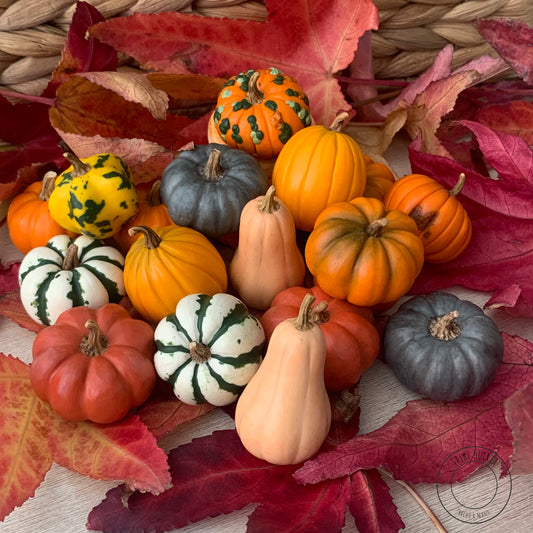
(443, 223)
(361, 252)
(318, 167)
(379, 179)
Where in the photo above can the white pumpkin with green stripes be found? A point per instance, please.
(69, 273)
(209, 349)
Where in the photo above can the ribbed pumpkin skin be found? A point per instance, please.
(185, 262)
(234, 339)
(352, 341)
(267, 259)
(29, 222)
(261, 127)
(365, 269)
(211, 206)
(444, 225)
(47, 289)
(379, 179)
(442, 369)
(317, 168)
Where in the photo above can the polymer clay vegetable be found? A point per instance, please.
(94, 364)
(207, 187)
(209, 348)
(361, 252)
(267, 259)
(442, 347)
(284, 413)
(443, 223)
(28, 218)
(69, 273)
(152, 212)
(379, 179)
(318, 167)
(352, 340)
(167, 264)
(94, 196)
(259, 110)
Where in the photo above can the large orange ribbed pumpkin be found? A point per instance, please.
(443, 223)
(318, 167)
(167, 264)
(363, 253)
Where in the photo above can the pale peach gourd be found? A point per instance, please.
(283, 415)
(267, 259)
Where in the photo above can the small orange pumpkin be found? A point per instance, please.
(169, 263)
(361, 252)
(318, 167)
(152, 212)
(267, 259)
(28, 218)
(379, 179)
(259, 110)
(443, 223)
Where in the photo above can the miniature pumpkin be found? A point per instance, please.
(69, 273)
(259, 110)
(442, 347)
(352, 340)
(28, 218)
(318, 167)
(283, 415)
(94, 364)
(379, 179)
(443, 224)
(168, 264)
(209, 348)
(206, 188)
(152, 212)
(363, 253)
(94, 196)
(267, 259)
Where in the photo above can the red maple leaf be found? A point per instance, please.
(310, 40)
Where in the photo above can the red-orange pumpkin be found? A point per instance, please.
(352, 341)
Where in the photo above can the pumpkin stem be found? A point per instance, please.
(445, 327)
(200, 353)
(212, 169)
(339, 121)
(151, 238)
(458, 187)
(153, 199)
(375, 228)
(254, 95)
(49, 182)
(319, 313)
(79, 167)
(268, 204)
(95, 343)
(304, 322)
(71, 260)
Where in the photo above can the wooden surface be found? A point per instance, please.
(63, 501)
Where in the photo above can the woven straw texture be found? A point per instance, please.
(411, 32)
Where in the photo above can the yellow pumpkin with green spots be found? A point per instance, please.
(94, 196)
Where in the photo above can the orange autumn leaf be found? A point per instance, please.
(33, 436)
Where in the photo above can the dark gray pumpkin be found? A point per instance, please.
(442, 347)
(206, 188)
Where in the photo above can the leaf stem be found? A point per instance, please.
(377, 83)
(29, 97)
(438, 525)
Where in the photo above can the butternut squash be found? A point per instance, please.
(283, 415)
(267, 259)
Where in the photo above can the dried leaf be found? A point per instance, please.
(9, 277)
(311, 48)
(519, 416)
(11, 307)
(414, 443)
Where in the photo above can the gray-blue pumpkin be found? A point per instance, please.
(442, 347)
(206, 188)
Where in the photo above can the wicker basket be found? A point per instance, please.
(411, 33)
